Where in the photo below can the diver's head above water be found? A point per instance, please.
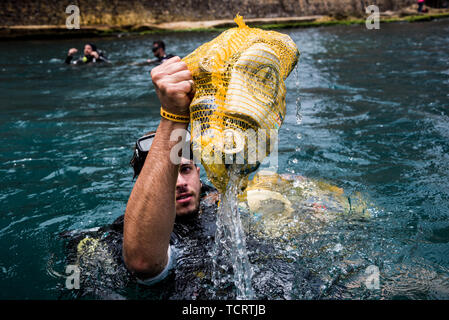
(188, 185)
(158, 49)
(91, 55)
(89, 48)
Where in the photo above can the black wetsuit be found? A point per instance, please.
(159, 60)
(166, 57)
(103, 274)
(86, 59)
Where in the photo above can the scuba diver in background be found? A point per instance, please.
(91, 55)
(159, 52)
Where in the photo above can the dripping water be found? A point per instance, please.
(230, 257)
(298, 98)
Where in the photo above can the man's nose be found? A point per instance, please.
(181, 181)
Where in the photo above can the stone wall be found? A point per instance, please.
(132, 12)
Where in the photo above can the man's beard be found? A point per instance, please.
(190, 214)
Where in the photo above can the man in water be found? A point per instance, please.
(159, 52)
(91, 55)
(139, 244)
(147, 228)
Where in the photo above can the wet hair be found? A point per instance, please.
(160, 44)
(94, 47)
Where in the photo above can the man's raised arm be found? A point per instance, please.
(150, 212)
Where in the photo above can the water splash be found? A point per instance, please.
(230, 258)
(298, 98)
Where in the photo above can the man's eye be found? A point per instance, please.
(185, 169)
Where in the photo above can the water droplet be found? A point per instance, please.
(338, 247)
(298, 110)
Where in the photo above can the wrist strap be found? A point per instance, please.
(174, 117)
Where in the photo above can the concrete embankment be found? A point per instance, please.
(47, 19)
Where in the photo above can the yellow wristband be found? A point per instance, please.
(174, 117)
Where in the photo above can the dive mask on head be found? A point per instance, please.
(142, 147)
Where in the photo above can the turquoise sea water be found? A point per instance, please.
(375, 120)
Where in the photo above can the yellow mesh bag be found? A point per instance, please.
(239, 79)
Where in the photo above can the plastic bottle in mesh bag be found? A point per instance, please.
(240, 98)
